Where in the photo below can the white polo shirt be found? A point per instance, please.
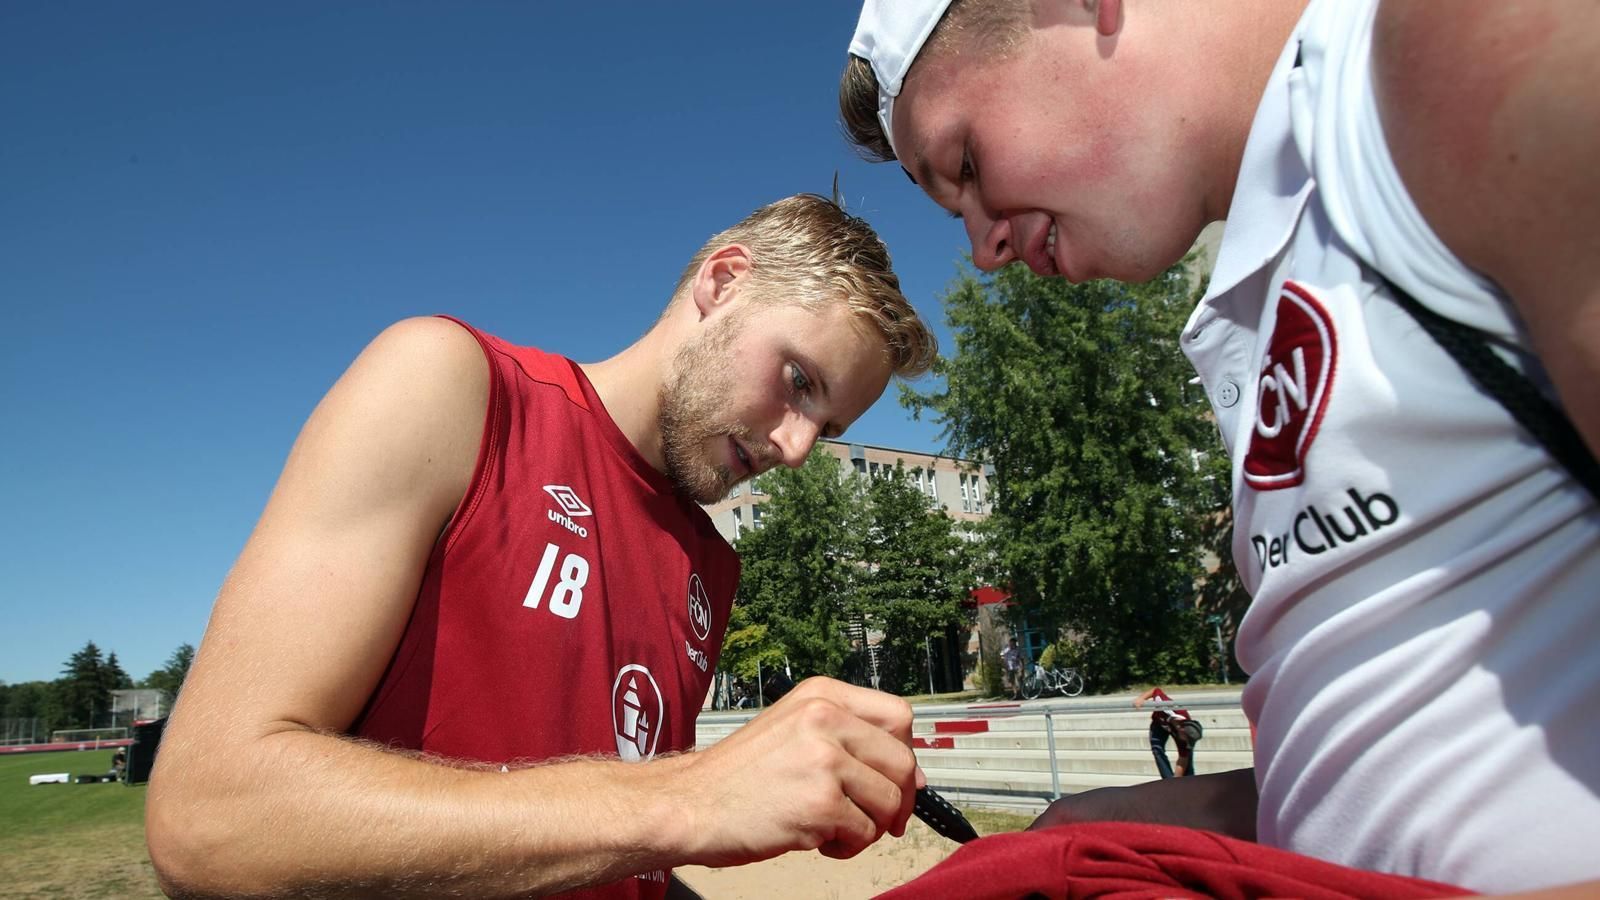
(1422, 642)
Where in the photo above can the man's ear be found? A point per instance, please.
(1107, 16)
(720, 279)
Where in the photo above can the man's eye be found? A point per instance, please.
(798, 379)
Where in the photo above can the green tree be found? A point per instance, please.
(169, 678)
(83, 688)
(748, 650)
(914, 571)
(114, 677)
(797, 571)
(1108, 471)
(34, 700)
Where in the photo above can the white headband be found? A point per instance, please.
(889, 36)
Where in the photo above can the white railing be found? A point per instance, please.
(1048, 709)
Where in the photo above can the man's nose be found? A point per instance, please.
(992, 241)
(795, 437)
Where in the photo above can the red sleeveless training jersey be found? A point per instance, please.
(574, 605)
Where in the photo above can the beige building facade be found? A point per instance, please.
(959, 486)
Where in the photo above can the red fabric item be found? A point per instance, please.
(1128, 860)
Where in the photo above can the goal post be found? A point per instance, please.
(88, 738)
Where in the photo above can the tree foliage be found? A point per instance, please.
(84, 688)
(81, 697)
(797, 572)
(913, 571)
(30, 700)
(834, 552)
(169, 678)
(1108, 474)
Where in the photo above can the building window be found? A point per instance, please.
(755, 488)
(755, 517)
(735, 491)
(738, 523)
(966, 499)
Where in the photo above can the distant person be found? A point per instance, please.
(464, 650)
(1011, 667)
(1175, 723)
(119, 763)
(1399, 344)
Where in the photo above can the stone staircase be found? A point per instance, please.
(999, 755)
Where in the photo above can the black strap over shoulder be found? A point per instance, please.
(1526, 403)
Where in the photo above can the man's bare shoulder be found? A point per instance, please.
(430, 346)
(1490, 113)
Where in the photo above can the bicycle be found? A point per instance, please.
(1067, 682)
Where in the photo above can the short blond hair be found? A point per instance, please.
(985, 27)
(808, 251)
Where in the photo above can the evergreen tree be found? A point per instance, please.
(1109, 476)
(85, 696)
(115, 678)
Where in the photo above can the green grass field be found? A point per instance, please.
(71, 840)
(87, 840)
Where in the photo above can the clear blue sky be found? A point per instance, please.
(206, 210)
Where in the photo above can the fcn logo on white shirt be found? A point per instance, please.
(1292, 393)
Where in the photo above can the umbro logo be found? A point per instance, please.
(568, 500)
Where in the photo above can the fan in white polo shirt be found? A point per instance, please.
(1396, 178)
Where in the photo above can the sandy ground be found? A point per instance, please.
(884, 865)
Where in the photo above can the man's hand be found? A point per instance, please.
(1224, 802)
(829, 767)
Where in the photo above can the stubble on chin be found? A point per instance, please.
(691, 403)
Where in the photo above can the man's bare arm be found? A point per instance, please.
(256, 794)
(1224, 802)
(1492, 115)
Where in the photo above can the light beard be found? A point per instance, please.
(691, 406)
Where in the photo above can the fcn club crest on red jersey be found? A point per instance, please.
(1292, 392)
(636, 713)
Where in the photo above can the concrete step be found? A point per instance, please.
(1133, 763)
(1032, 784)
(1131, 720)
(1215, 739)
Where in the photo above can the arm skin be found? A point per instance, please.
(1224, 802)
(1491, 114)
(1139, 701)
(255, 792)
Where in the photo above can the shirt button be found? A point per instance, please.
(1227, 394)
